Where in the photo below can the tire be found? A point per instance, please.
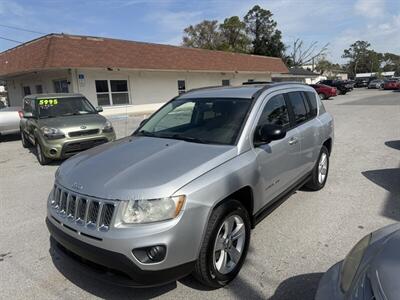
(43, 160)
(24, 140)
(210, 269)
(320, 172)
(322, 96)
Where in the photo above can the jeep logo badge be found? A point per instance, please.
(83, 127)
(77, 186)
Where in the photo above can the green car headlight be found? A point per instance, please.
(52, 133)
(108, 127)
(352, 262)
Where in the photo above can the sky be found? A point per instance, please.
(337, 22)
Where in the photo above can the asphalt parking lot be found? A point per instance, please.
(290, 249)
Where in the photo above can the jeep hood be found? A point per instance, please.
(89, 120)
(140, 167)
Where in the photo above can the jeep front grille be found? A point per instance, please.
(92, 213)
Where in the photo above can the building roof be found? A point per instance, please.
(302, 72)
(56, 51)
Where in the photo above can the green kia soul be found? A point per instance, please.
(61, 125)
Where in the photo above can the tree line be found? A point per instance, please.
(258, 33)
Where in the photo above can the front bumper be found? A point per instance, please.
(117, 261)
(66, 147)
(328, 288)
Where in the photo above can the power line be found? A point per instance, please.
(10, 40)
(21, 29)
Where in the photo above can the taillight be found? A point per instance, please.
(21, 114)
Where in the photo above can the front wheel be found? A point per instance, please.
(43, 160)
(225, 245)
(24, 140)
(322, 96)
(320, 172)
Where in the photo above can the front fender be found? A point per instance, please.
(208, 190)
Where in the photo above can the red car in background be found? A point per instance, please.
(324, 91)
(392, 84)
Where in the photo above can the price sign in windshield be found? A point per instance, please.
(46, 103)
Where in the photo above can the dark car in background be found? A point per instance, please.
(324, 91)
(363, 81)
(342, 86)
(392, 84)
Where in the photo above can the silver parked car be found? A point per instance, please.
(182, 194)
(376, 84)
(370, 270)
(9, 120)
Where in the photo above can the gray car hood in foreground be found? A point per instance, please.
(140, 167)
(384, 271)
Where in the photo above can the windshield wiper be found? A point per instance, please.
(188, 139)
(145, 133)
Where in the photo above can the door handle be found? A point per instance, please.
(293, 141)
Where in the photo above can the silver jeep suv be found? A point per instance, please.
(182, 193)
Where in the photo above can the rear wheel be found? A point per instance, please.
(43, 160)
(320, 172)
(322, 96)
(225, 245)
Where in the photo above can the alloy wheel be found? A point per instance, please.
(322, 168)
(229, 244)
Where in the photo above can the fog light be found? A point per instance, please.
(53, 151)
(151, 254)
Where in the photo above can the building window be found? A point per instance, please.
(226, 82)
(112, 92)
(181, 86)
(250, 80)
(27, 90)
(103, 95)
(39, 89)
(61, 86)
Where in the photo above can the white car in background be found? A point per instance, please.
(9, 120)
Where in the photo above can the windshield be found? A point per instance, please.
(216, 121)
(56, 107)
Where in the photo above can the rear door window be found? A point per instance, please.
(313, 103)
(298, 107)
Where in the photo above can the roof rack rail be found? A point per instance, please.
(255, 82)
(202, 88)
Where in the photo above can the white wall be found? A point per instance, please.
(145, 87)
(45, 78)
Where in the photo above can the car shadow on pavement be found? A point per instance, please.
(10, 137)
(388, 179)
(98, 282)
(301, 287)
(393, 144)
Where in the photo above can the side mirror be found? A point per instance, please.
(99, 109)
(27, 115)
(267, 133)
(143, 121)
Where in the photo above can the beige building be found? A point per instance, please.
(117, 73)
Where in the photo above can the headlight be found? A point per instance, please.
(52, 133)
(146, 211)
(352, 262)
(108, 127)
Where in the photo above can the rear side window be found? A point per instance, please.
(275, 112)
(299, 109)
(313, 103)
